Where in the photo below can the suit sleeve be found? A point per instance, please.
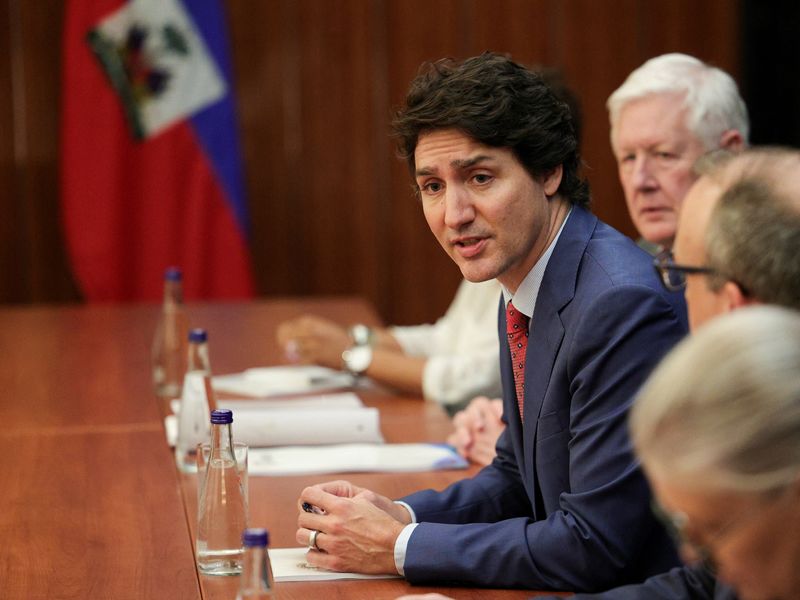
(602, 528)
(492, 495)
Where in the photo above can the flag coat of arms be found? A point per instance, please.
(151, 174)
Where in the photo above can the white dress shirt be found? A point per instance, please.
(461, 347)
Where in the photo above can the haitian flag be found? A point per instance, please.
(151, 174)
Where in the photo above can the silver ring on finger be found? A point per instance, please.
(312, 540)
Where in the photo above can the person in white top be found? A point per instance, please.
(448, 362)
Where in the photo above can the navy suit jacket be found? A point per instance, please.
(683, 583)
(564, 505)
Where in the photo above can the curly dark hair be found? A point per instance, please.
(499, 103)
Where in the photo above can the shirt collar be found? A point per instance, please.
(528, 290)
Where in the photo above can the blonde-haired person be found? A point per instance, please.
(717, 427)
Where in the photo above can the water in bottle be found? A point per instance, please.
(222, 504)
(169, 342)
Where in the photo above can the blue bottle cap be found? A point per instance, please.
(198, 336)
(255, 537)
(222, 416)
(173, 274)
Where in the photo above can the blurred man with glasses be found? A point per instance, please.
(738, 239)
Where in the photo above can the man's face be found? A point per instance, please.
(655, 153)
(702, 303)
(487, 212)
(754, 539)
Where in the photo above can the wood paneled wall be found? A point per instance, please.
(317, 80)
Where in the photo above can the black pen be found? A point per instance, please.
(310, 508)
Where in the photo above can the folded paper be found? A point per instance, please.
(351, 458)
(263, 382)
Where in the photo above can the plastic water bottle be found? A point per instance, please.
(255, 582)
(196, 398)
(169, 342)
(222, 506)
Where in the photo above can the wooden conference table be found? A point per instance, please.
(91, 504)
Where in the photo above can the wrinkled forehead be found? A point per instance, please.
(655, 101)
(651, 119)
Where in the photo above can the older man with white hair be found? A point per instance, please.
(668, 113)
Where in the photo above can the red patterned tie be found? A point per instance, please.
(517, 329)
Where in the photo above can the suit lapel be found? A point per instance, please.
(547, 331)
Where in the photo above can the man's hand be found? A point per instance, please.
(345, 489)
(314, 340)
(357, 528)
(477, 428)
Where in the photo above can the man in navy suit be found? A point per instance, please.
(564, 505)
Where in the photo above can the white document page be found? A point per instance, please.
(289, 564)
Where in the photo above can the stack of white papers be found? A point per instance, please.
(353, 458)
(331, 419)
(323, 419)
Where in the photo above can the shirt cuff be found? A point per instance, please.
(408, 508)
(400, 547)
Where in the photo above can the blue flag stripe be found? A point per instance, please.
(216, 126)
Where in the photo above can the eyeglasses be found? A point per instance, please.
(673, 275)
(677, 524)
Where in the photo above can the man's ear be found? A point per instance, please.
(551, 180)
(734, 297)
(732, 140)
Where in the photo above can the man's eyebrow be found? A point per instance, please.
(470, 162)
(465, 163)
